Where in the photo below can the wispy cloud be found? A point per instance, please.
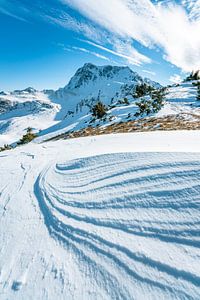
(11, 14)
(115, 26)
(134, 59)
(164, 25)
(91, 52)
(175, 78)
(193, 7)
(65, 20)
(149, 72)
(59, 15)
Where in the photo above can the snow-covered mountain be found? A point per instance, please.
(22, 108)
(57, 109)
(19, 99)
(107, 83)
(68, 109)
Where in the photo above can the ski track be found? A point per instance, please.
(132, 221)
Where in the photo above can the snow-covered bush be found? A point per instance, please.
(144, 107)
(195, 75)
(158, 97)
(198, 92)
(5, 147)
(28, 137)
(124, 101)
(152, 104)
(197, 84)
(99, 110)
(142, 90)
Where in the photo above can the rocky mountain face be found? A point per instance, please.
(106, 83)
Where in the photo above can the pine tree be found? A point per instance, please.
(99, 110)
(158, 97)
(144, 106)
(5, 147)
(28, 137)
(142, 90)
(153, 105)
(194, 75)
(198, 92)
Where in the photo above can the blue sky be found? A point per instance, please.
(43, 43)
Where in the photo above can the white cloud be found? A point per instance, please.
(59, 15)
(175, 78)
(194, 8)
(167, 26)
(181, 41)
(133, 58)
(149, 72)
(118, 24)
(126, 49)
(91, 52)
(65, 20)
(11, 14)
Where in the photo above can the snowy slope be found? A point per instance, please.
(51, 113)
(180, 100)
(92, 218)
(24, 108)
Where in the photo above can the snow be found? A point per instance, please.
(106, 83)
(101, 217)
(104, 217)
(181, 99)
(24, 110)
(51, 113)
(69, 106)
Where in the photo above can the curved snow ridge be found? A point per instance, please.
(131, 219)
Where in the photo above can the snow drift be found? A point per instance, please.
(81, 221)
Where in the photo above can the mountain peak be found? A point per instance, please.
(89, 66)
(105, 69)
(92, 73)
(28, 90)
(108, 82)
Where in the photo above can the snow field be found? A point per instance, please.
(81, 221)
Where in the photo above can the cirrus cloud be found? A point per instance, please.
(163, 25)
(171, 28)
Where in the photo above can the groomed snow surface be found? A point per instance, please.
(95, 218)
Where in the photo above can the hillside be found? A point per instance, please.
(68, 110)
(23, 108)
(48, 111)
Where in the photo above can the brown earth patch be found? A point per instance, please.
(171, 122)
